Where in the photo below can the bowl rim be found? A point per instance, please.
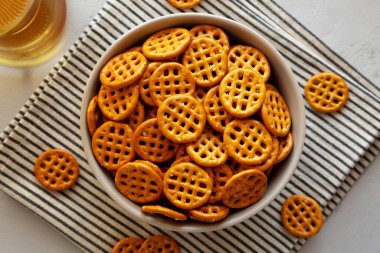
(109, 189)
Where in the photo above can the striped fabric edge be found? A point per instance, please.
(246, 247)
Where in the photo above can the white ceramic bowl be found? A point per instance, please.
(281, 75)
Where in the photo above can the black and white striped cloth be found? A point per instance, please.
(338, 147)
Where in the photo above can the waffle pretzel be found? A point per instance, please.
(157, 209)
(56, 169)
(244, 189)
(144, 83)
(206, 60)
(212, 32)
(153, 166)
(208, 150)
(268, 163)
(285, 146)
(118, 104)
(184, 4)
(220, 176)
(159, 243)
(184, 159)
(248, 57)
(112, 145)
(93, 115)
(166, 44)
(169, 79)
(247, 141)
(301, 216)
(275, 114)
(187, 186)
(181, 118)
(128, 245)
(242, 92)
(139, 182)
(209, 213)
(326, 92)
(123, 70)
(137, 116)
(150, 144)
(216, 115)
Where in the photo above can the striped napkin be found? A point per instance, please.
(338, 147)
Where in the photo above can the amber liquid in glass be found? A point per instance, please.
(32, 41)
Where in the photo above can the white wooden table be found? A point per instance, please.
(350, 27)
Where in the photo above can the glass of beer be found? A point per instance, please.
(29, 30)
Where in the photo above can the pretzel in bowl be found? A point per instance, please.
(137, 116)
(242, 92)
(285, 146)
(326, 92)
(169, 79)
(275, 114)
(244, 189)
(153, 166)
(209, 213)
(181, 118)
(123, 70)
(93, 115)
(220, 176)
(139, 182)
(162, 210)
(112, 145)
(187, 186)
(144, 83)
(212, 32)
(118, 104)
(56, 169)
(150, 144)
(248, 57)
(247, 141)
(216, 115)
(301, 216)
(166, 44)
(268, 163)
(206, 60)
(208, 150)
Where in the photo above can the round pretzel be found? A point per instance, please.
(150, 144)
(153, 166)
(187, 186)
(242, 92)
(326, 92)
(112, 145)
(212, 32)
(56, 169)
(220, 176)
(137, 116)
(248, 57)
(181, 118)
(268, 163)
(184, 4)
(301, 216)
(208, 150)
(93, 115)
(144, 83)
(216, 115)
(247, 141)
(209, 213)
(206, 60)
(169, 79)
(139, 182)
(123, 70)
(164, 211)
(275, 114)
(118, 104)
(184, 159)
(244, 189)
(166, 44)
(128, 245)
(161, 244)
(285, 146)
